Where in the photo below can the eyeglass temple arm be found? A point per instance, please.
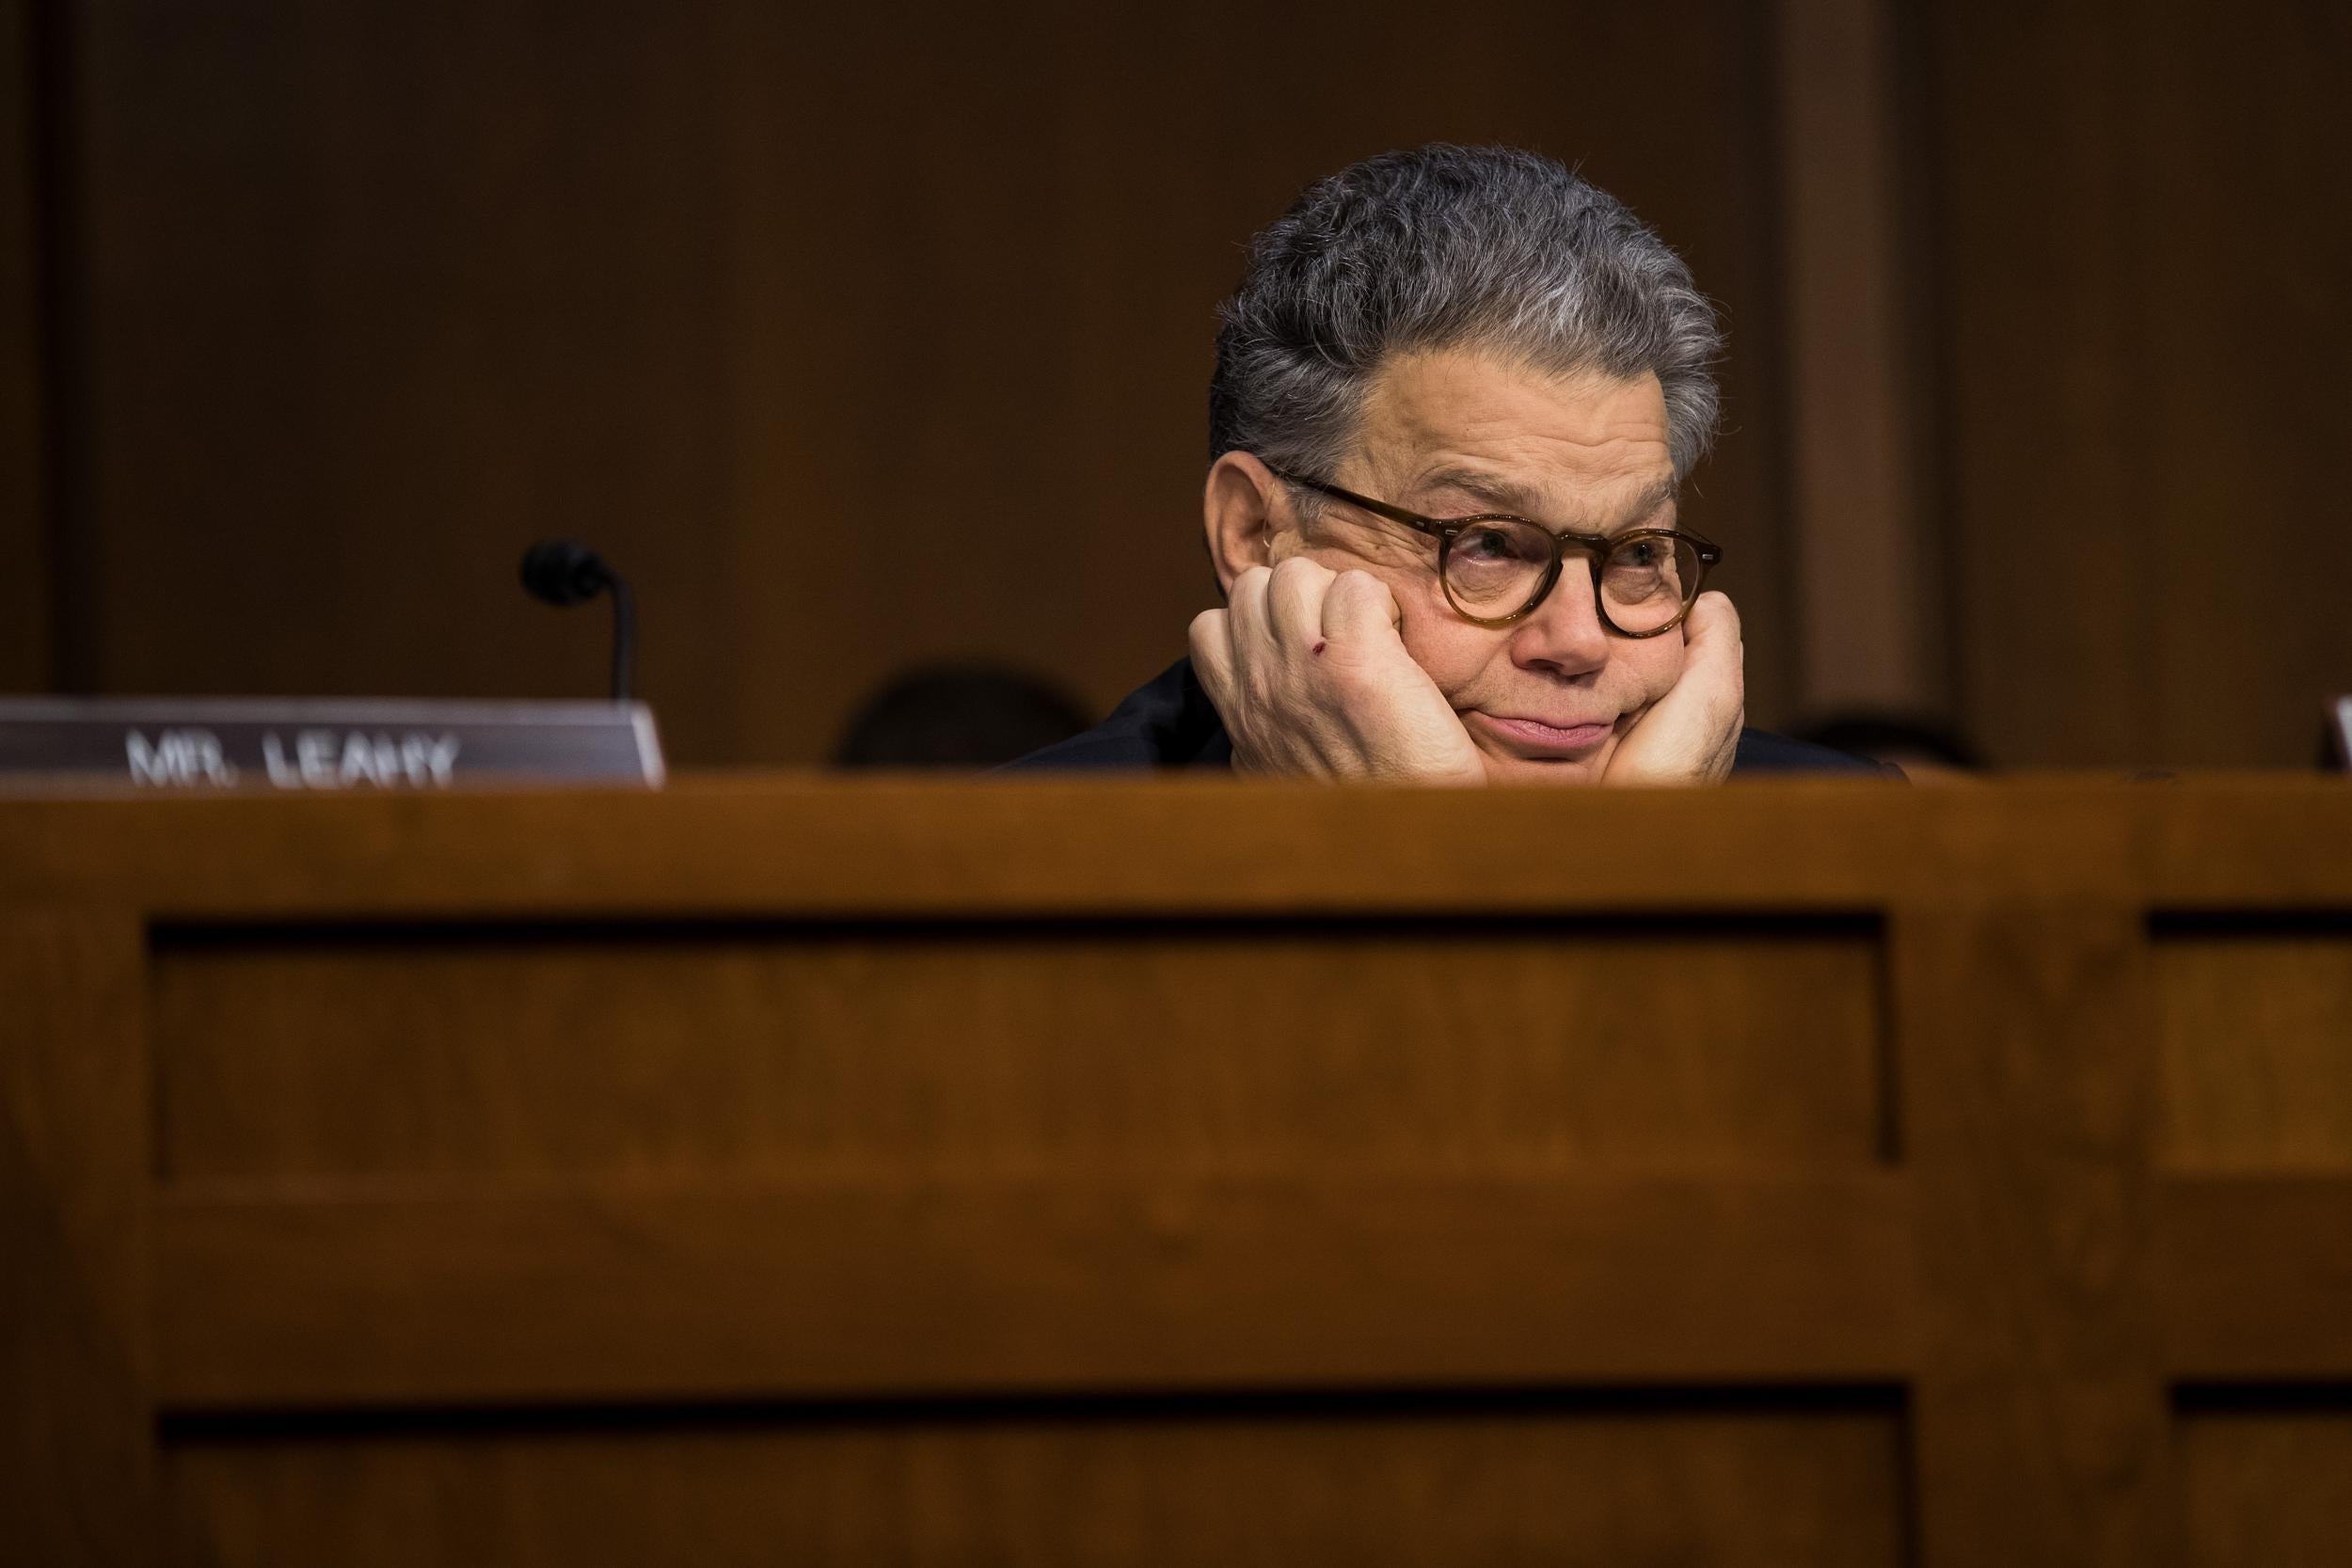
(1378, 508)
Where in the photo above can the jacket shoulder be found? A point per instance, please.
(1762, 752)
(1167, 722)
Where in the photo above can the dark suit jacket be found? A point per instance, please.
(1172, 723)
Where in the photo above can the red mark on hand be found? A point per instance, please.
(1319, 645)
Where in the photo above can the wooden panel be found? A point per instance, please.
(1468, 1045)
(2029, 1104)
(2264, 846)
(2025, 1271)
(1010, 846)
(2256, 1033)
(2140, 339)
(2240, 119)
(779, 846)
(2269, 1489)
(2042, 362)
(24, 585)
(381, 292)
(2255, 1277)
(704, 1292)
(1436, 1488)
(1868, 631)
(76, 1421)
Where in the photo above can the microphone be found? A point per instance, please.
(558, 572)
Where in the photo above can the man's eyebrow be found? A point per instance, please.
(1646, 505)
(1507, 495)
(1486, 489)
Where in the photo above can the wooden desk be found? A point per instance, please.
(1157, 1172)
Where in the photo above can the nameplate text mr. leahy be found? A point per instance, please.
(150, 744)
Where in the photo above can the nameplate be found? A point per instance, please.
(314, 745)
(2344, 733)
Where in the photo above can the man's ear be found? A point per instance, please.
(1237, 510)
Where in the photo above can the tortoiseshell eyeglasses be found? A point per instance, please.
(1496, 568)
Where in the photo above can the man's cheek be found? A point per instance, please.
(1451, 654)
(1660, 669)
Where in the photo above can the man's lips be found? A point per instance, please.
(1534, 735)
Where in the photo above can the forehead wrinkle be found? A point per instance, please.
(1581, 449)
(1499, 491)
(1654, 498)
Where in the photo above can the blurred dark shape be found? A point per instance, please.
(562, 574)
(956, 715)
(1921, 747)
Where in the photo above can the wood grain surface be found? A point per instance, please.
(851, 1290)
(2028, 1092)
(2256, 1028)
(965, 1051)
(1132, 1171)
(2136, 356)
(78, 1467)
(805, 846)
(1528, 1484)
(2257, 1279)
(2267, 1487)
(27, 594)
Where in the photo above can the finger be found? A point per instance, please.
(1246, 602)
(1711, 630)
(1710, 700)
(1714, 657)
(1295, 601)
(1357, 607)
(1212, 654)
(1248, 634)
(1691, 734)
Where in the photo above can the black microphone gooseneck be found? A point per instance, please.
(558, 572)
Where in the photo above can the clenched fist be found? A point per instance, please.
(1307, 670)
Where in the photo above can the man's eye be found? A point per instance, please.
(1500, 544)
(1643, 554)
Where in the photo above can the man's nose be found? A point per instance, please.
(1565, 634)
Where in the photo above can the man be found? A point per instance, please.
(1456, 394)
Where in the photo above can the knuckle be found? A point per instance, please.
(1298, 572)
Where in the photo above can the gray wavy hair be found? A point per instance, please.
(1450, 247)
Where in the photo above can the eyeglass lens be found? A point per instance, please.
(1494, 568)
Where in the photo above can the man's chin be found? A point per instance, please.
(1548, 772)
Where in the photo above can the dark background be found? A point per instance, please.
(863, 338)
